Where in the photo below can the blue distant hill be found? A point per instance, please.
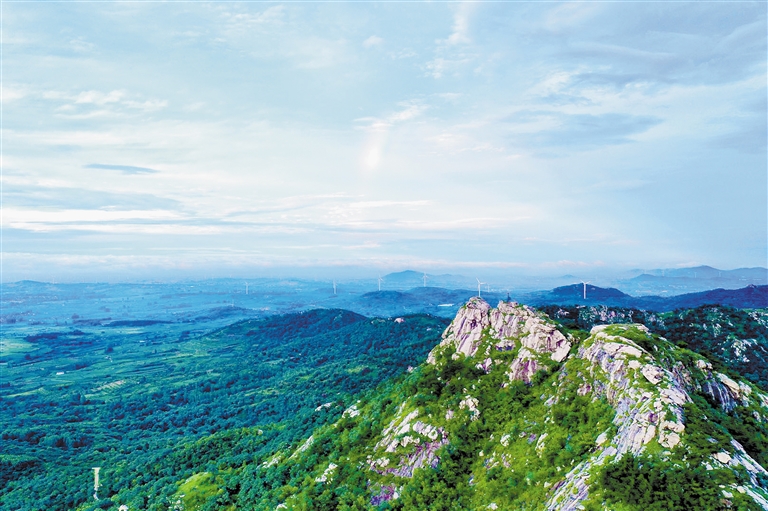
(750, 297)
(592, 292)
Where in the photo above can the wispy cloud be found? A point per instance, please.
(49, 197)
(373, 41)
(125, 169)
(95, 103)
(11, 93)
(557, 129)
(278, 34)
(248, 20)
(451, 55)
(81, 45)
(460, 34)
(378, 132)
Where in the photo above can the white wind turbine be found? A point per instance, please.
(334, 287)
(424, 278)
(380, 279)
(96, 482)
(478, 286)
(246, 288)
(585, 288)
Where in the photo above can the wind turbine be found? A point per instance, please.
(380, 279)
(585, 289)
(424, 278)
(246, 288)
(334, 287)
(478, 287)
(96, 482)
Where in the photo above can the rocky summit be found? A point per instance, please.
(512, 411)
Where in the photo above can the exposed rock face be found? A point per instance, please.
(642, 416)
(467, 327)
(478, 329)
(726, 392)
(652, 373)
(732, 386)
(510, 322)
(414, 443)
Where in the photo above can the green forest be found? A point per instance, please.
(284, 411)
(164, 410)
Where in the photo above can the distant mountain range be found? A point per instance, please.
(708, 272)
(219, 302)
(637, 282)
(677, 281)
(749, 297)
(445, 302)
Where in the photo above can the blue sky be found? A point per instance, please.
(538, 137)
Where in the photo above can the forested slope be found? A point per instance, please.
(153, 413)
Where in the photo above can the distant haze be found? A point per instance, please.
(193, 140)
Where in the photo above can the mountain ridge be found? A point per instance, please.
(511, 412)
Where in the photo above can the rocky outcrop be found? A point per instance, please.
(480, 331)
(413, 443)
(466, 329)
(617, 366)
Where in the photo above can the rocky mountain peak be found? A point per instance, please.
(483, 332)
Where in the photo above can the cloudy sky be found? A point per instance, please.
(148, 137)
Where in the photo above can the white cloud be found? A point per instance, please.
(99, 98)
(388, 203)
(745, 36)
(248, 20)
(9, 94)
(101, 219)
(373, 41)
(95, 103)
(279, 34)
(457, 142)
(406, 53)
(81, 45)
(450, 56)
(460, 34)
(194, 107)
